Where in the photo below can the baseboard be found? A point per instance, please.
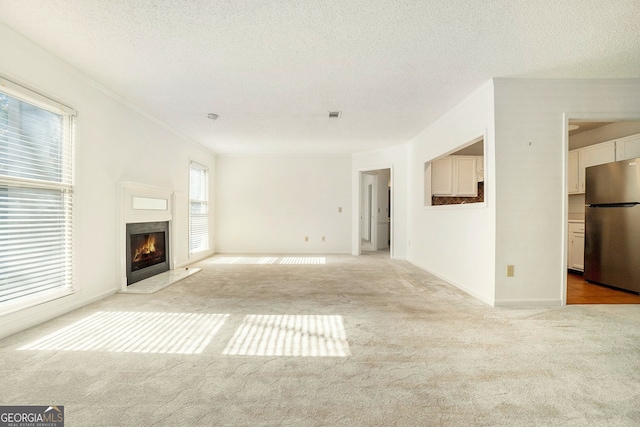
(195, 258)
(33, 316)
(528, 303)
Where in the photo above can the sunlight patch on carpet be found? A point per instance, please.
(265, 260)
(289, 335)
(244, 260)
(303, 260)
(135, 332)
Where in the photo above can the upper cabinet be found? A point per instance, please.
(597, 154)
(480, 166)
(592, 156)
(466, 176)
(582, 158)
(442, 176)
(628, 147)
(573, 184)
(455, 176)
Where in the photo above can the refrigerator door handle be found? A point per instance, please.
(617, 205)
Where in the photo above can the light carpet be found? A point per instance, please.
(340, 340)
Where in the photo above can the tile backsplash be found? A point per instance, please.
(445, 200)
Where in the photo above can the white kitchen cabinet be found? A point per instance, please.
(628, 147)
(575, 258)
(466, 176)
(573, 172)
(442, 177)
(454, 176)
(480, 168)
(592, 155)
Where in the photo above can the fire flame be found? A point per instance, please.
(147, 248)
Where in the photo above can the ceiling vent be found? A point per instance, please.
(335, 114)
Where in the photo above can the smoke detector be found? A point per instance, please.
(335, 114)
(212, 116)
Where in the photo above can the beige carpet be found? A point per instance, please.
(334, 340)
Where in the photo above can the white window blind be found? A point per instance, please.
(198, 208)
(36, 195)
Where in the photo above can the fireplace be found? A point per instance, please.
(147, 250)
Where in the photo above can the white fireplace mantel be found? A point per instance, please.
(142, 203)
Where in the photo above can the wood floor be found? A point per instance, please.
(581, 292)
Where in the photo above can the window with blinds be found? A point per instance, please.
(198, 208)
(36, 197)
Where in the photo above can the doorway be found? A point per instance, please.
(590, 141)
(376, 197)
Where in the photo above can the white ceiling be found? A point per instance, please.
(274, 69)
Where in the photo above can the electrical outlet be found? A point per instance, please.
(510, 271)
(323, 239)
(340, 210)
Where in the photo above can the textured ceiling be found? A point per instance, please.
(274, 69)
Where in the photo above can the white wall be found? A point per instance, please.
(456, 242)
(268, 204)
(394, 158)
(531, 157)
(114, 143)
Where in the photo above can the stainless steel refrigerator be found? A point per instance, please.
(612, 225)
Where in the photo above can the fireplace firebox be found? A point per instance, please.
(147, 250)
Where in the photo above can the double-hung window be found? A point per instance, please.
(36, 198)
(198, 208)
